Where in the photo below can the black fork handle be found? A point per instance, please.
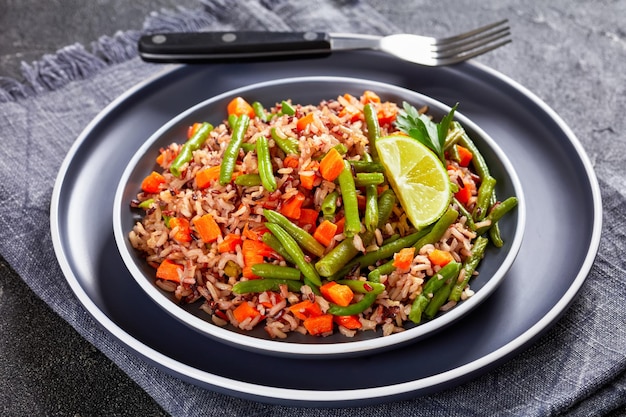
(232, 46)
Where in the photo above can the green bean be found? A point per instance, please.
(391, 238)
(166, 220)
(433, 235)
(329, 205)
(352, 225)
(483, 200)
(453, 153)
(341, 254)
(370, 218)
(384, 269)
(390, 249)
(248, 147)
(232, 150)
(284, 142)
(443, 130)
(259, 111)
(304, 238)
(494, 230)
(469, 266)
(265, 164)
(417, 308)
(290, 245)
(448, 272)
(248, 180)
(373, 129)
(232, 120)
(494, 235)
(186, 151)
(386, 202)
(452, 138)
(353, 309)
(146, 203)
(276, 271)
(438, 299)
(365, 166)
(383, 252)
(341, 148)
(364, 179)
(363, 287)
(438, 229)
(478, 161)
(265, 284)
(330, 264)
(497, 212)
(469, 222)
(287, 108)
(271, 241)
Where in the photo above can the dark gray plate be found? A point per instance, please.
(519, 311)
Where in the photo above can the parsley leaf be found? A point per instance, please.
(423, 129)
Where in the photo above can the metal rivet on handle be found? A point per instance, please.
(229, 37)
(309, 36)
(158, 39)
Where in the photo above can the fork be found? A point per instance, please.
(234, 46)
(430, 51)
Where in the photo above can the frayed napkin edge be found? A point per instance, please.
(76, 62)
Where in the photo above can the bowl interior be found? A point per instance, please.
(312, 90)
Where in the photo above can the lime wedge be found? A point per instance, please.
(417, 176)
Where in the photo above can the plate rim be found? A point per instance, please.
(286, 395)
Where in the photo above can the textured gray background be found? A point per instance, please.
(46, 367)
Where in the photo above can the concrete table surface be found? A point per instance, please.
(46, 367)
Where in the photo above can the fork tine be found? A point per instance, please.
(455, 59)
(430, 51)
(471, 33)
(470, 44)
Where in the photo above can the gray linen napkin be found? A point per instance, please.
(582, 358)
